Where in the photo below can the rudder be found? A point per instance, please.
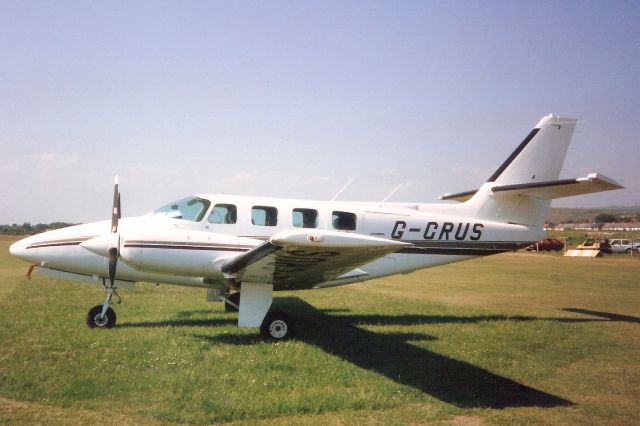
(540, 156)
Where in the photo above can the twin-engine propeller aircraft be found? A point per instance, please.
(243, 248)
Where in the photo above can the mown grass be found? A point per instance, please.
(511, 339)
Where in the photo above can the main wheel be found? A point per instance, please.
(277, 326)
(234, 298)
(96, 319)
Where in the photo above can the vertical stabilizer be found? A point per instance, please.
(540, 156)
(537, 159)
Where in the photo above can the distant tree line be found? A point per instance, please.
(28, 229)
(611, 218)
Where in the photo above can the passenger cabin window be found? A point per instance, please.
(305, 218)
(192, 209)
(344, 221)
(264, 216)
(223, 213)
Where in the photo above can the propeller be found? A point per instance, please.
(108, 245)
(113, 253)
(115, 212)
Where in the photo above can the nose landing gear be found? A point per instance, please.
(103, 316)
(96, 319)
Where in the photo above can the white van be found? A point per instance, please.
(622, 246)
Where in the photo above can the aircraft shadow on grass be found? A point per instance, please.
(180, 323)
(185, 319)
(605, 315)
(391, 355)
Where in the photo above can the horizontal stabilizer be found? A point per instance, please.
(549, 190)
(594, 182)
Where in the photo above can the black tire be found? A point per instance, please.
(95, 319)
(235, 298)
(628, 251)
(277, 326)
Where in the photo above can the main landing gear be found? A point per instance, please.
(276, 326)
(103, 316)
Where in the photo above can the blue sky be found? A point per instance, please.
(295, 98)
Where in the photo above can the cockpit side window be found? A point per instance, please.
(192, 209)
(223, 213)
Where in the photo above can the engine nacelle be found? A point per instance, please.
(181, 252)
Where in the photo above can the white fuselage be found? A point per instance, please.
(169, 247)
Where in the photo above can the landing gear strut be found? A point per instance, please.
(103, 316)
(232, 302)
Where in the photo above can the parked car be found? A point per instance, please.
(621, 245)
(548, 244)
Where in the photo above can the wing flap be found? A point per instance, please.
(300, 259)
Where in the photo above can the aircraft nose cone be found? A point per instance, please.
(18, 249)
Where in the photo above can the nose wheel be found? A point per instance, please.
(103, 316)
(96, 319)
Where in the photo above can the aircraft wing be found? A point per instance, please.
(301, 259)
(594, 182)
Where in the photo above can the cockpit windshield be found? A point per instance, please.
(192, 208)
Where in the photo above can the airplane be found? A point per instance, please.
(243, 248)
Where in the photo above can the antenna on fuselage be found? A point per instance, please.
(393, 191)
(342, 189)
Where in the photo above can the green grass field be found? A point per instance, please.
(510, 339)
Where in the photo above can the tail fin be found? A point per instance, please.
(540, 156)
(521, 189)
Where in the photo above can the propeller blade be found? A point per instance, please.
(115, 212)
(115, 216)
(113, 261)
